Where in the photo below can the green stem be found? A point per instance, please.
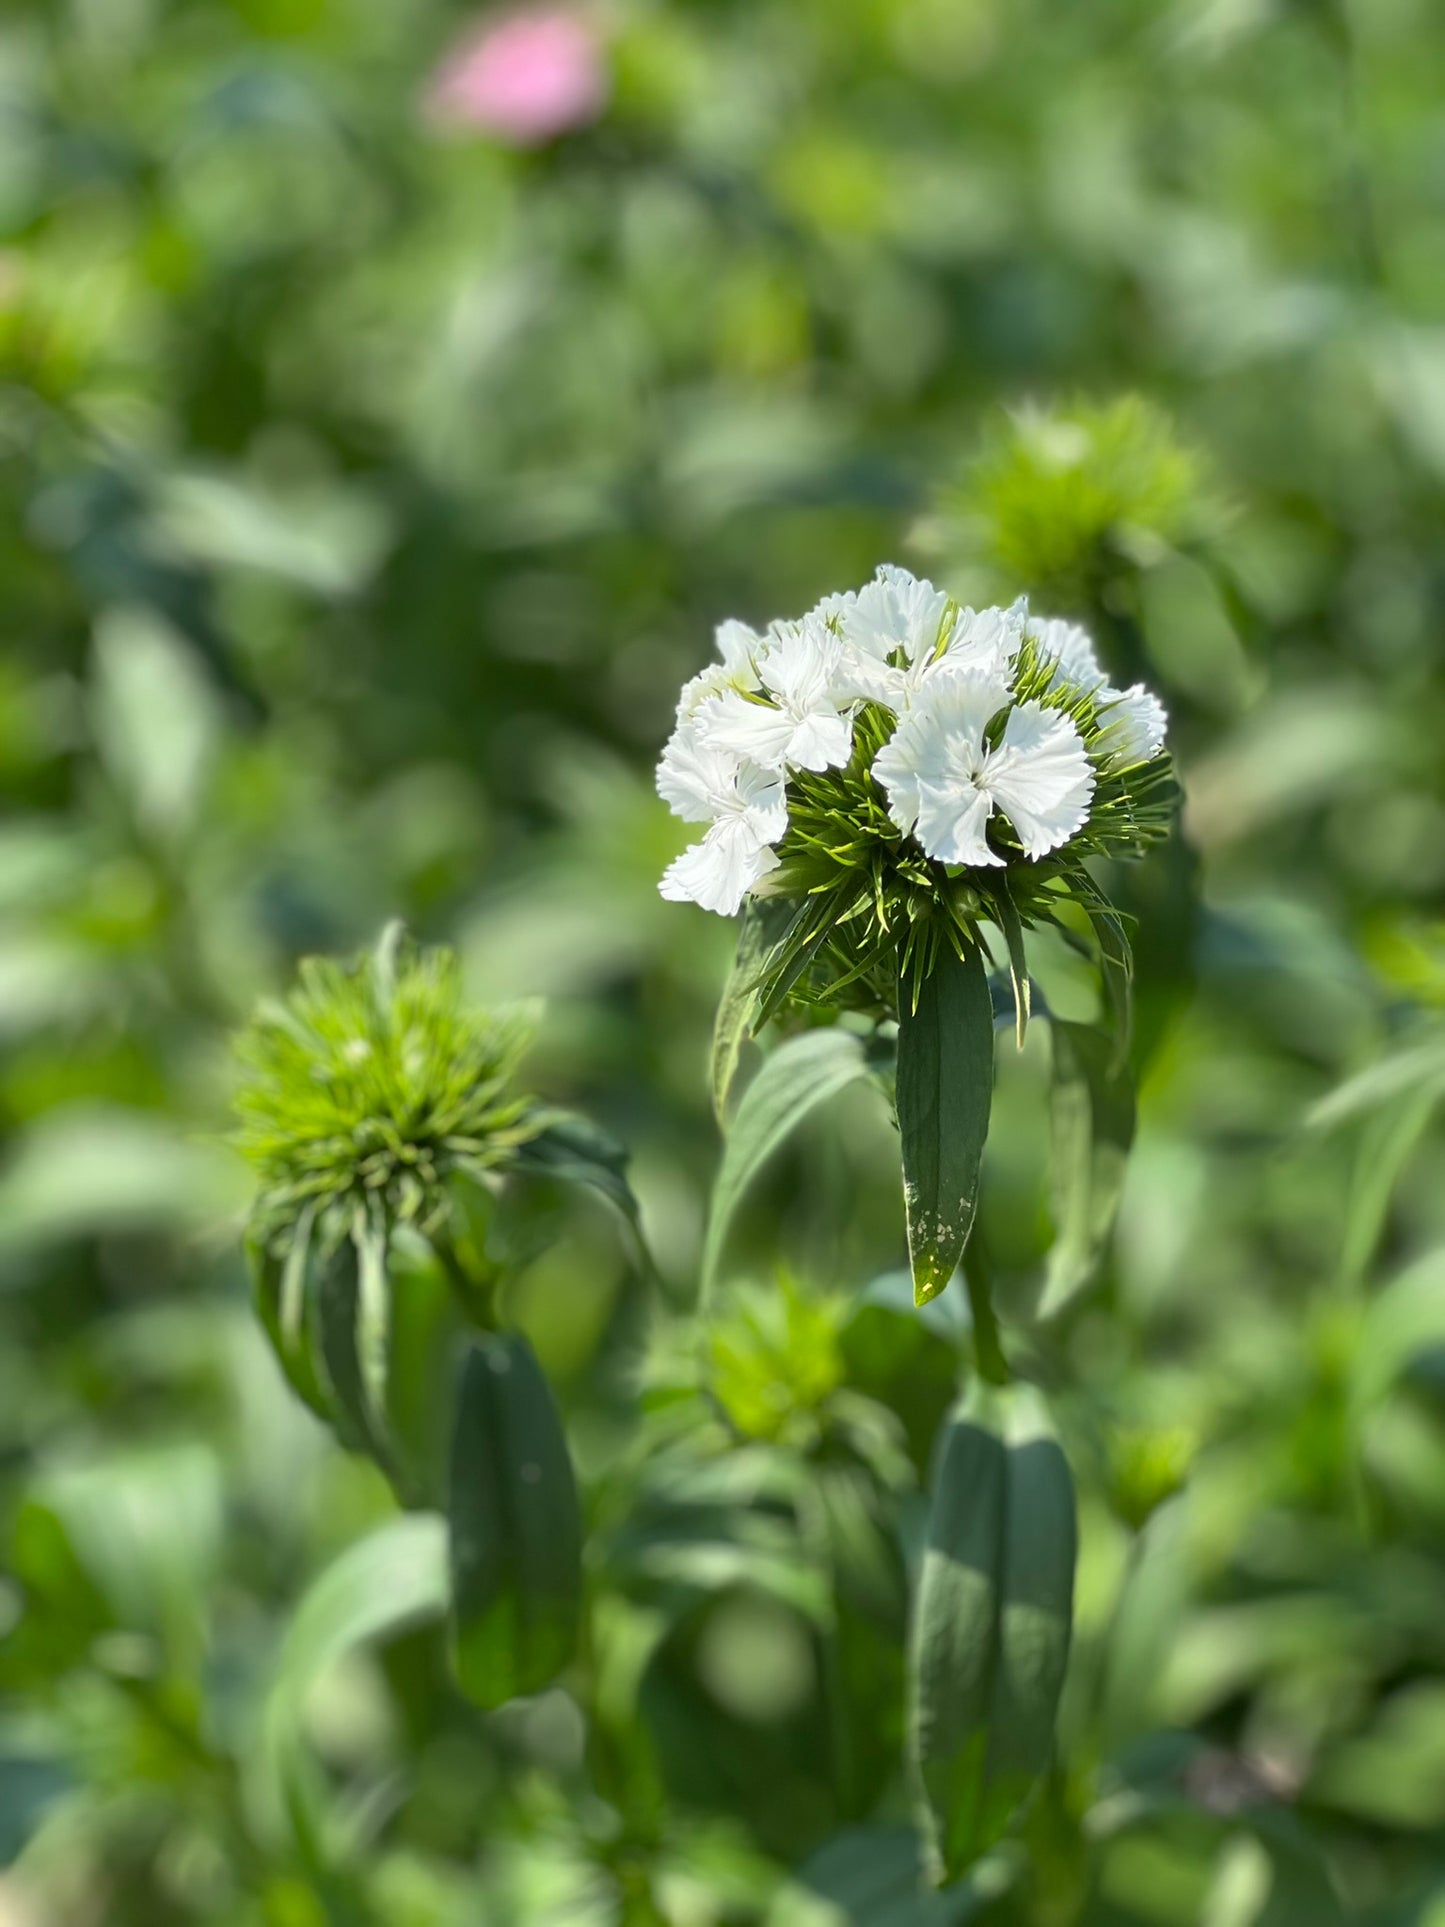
(988, 1355)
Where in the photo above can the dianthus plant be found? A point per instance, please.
(883, 781)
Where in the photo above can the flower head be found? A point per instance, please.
(744, 806)
(371, 1083)
(523, 77)
(944, 778)
(896, 766)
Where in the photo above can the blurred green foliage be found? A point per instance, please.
(366, 492)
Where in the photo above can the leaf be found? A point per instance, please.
(516, 1529)
(574, 1150)
(393, 1579)
(1091, 1112)
(1420, 1068)
(991, 1626)
(872, 1876)
(1018, 963)
(800, 1075)
(766, 926)
(1387, 1143)
(945, 1088)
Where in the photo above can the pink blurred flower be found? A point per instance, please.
(523, 77)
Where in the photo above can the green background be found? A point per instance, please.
(366, 493)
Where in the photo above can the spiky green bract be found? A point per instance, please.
(371, 1083)
(872, 909)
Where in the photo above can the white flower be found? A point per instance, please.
(901, 633)
(738, 649)
(1132, 723)
(805, 725)
(1071, 648)
(745, 808)
(943, 781)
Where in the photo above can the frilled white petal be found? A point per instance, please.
(743, 727)
(804, 725)
(738, 647)
(820, 742)
(896, 611)
(940, 740)
(1072, 650)
(952, 818)
(718, 872)
(701, 688)
(702, 781)
(834, 610)
(986, 640)
(761, 796)
(695, 773)
(1133, 724)
(1041, 777)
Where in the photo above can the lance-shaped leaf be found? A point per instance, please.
(945, 1089)
(1091, 1110)
(991, 1625)
(516, 1530)
(800, 1075)
(379, 1587)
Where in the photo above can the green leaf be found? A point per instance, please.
(767, 924)
(393, 1579)
(577, 1151)
(945, 1088)
(1091, 1109)
(991, 1626)
(802, 1074)
(516, 1530)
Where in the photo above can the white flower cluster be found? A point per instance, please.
(786, 701)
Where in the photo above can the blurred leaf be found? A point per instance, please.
(800, 1075)
(97, 1168)
(1091, 1110)
(577, 1151)
(991, 1624)
(156, 718)
(873, 1877)
(382, 1585)
(515, 1527)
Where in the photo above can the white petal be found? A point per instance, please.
(695, 775)
(1071, 648)
(738, 647)
(718, 872)
(738, 726)
(820, 742)
(896, 611)
(1133, 723)
(986, 640)
(952, 818)
(761, 795)
(940, 739)
(1041, 776)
